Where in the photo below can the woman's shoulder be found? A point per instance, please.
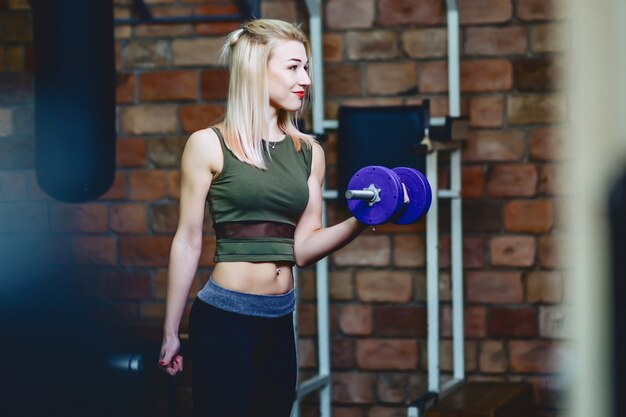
(205, 144)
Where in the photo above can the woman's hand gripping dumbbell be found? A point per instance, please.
(377, 194)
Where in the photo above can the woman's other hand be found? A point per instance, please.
(170, 361)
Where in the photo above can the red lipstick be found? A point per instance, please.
(299, 93)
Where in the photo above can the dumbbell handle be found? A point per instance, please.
(360, 195)
(370, 194)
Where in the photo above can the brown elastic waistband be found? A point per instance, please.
(251, 230)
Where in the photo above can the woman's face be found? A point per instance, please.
(287, 75)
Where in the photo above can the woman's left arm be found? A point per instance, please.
(311, 241)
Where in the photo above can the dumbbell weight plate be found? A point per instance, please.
(420, 195)
(391, 194)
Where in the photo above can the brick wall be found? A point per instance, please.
(376, 52)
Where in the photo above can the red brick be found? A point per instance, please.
(484, 11)
(475, 322)
(168, 85)
(374, 44)
(355, 319)
(400, 354)
(538, 10)
(399, 320)
(145, 250)
(214, 84)
(510, 40)
(408, 251)
(125, 284)
(538, 74)
(130, 152)
(307, 285)
(497, 287)
(208, 252)
(340, 285)
(165, 30)
(199, 116)
(307, 319)
(342, 353)
(23, 216)
(544, 287)
(536, 109)
(425, 43)
(118, 189)
(307, 353)
(486, 111)
(173, 184)
(533, 356)
(216, 28)
(512, 322)
(280, 9)
(549, 180)
(125, 87)
(333, 47)
(349, 14)
(512, 180)
(166, 152)
(391, 388)
(145, 53)
(351, 388)
(13, 185)
(473, 252)
(198, 51)
(549, 252)
(91, 218)
(512, 251)
(532, 216)
(482, 216)
(491, 145)
(433, 77)
(492, 357)
(381, 286)
(473, 181)
(129, 218)
(148, 119)
(342, 80)
(486, 75)
(546, 144)
(94, 250)
(390, 78)
(366, 250)
(408, 12)
(550, 37)
(146, 185)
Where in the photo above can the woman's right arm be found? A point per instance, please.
(197, 167)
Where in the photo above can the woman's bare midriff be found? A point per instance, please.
(266, 278)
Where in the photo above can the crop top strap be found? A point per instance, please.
(219, 135)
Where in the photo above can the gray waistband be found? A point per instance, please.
(247, 304)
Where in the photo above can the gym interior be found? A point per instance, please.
(502, 299)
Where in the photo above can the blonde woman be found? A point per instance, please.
(262, 179)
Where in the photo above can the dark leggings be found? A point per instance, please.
(242, 366)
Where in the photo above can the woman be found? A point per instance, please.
(262, 178)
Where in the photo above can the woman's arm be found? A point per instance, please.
(197, 169)
(311, 241)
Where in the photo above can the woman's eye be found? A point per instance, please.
(293, 67)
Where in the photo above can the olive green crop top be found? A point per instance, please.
(255, 211)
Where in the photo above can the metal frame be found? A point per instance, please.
(321, 381)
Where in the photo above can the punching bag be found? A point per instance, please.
(74, 97)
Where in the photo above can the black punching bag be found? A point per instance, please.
(74, 97)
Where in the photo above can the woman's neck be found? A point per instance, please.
(273, 131)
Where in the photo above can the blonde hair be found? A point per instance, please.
(247, 51)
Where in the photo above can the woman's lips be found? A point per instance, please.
(299, 93)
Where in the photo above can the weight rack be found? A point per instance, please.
(321, 382)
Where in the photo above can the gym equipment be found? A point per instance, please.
(376, 195)
(74, 97)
